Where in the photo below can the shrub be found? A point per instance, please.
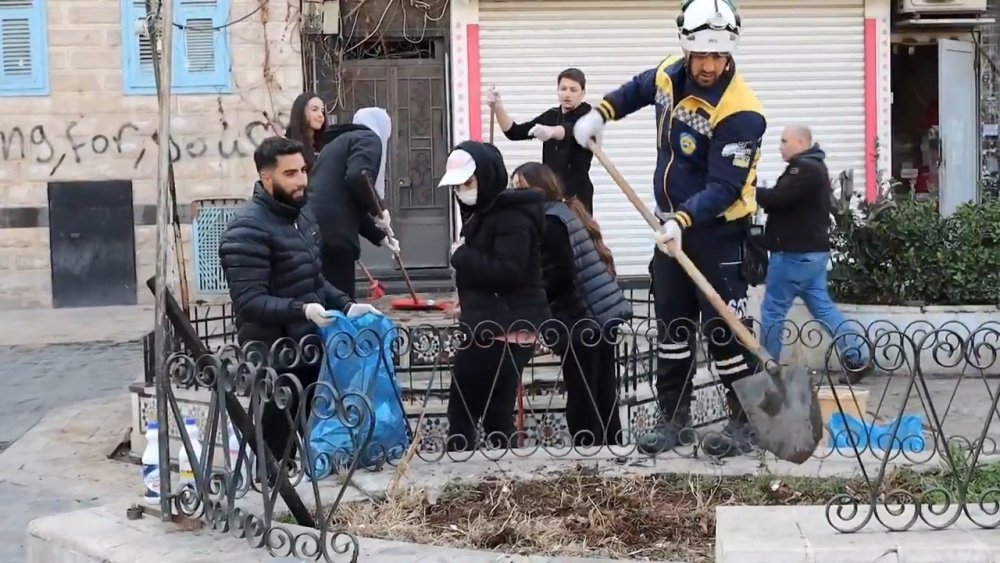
(901, 251)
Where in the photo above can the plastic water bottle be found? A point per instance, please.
(183, 463)
(233, 452)
(151, 464)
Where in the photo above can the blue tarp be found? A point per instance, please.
(358, 362)
(908, 429)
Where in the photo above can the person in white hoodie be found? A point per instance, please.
(347, 191)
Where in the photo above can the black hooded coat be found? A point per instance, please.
(498, 269)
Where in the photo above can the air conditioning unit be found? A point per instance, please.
(942, 7)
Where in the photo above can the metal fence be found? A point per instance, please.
(908, 415)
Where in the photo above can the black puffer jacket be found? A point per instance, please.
(270, 253)
(339, 194)
(578, 284)
(498, 270)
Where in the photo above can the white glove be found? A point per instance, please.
(493, 96)
(542, 132)
(670, 231)
(391, 243)
(588, 127)
(361, 309)
(317, 315)
(384, 222)
(456, 245)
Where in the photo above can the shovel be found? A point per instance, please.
(781, 405)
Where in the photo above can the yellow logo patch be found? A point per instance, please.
(688, 144)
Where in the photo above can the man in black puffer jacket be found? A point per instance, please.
(270, 254)
(498, 274)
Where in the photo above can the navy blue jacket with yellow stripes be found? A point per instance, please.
(708, 140)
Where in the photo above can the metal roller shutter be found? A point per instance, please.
(805, 60)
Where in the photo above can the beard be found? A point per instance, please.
(284, 196)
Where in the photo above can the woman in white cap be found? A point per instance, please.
(498, 275)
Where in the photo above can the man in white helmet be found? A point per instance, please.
(709, 126)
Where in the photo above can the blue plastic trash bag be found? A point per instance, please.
(909, 435)
(358, 363)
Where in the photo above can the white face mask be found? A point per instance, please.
(468, 197)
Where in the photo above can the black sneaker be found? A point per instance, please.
(855, 374)
(738, 436)
(672, 430)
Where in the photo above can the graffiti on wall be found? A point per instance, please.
(64, 146)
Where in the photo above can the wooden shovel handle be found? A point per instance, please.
(737, 326)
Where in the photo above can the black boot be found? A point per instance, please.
(673, 428)
(737, 438)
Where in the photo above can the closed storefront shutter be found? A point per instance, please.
(805, 60)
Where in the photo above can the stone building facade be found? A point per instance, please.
(77, 111)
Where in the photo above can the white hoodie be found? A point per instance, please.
(378, 120)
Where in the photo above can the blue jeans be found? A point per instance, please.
(803, 275)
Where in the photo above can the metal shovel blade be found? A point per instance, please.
(783, 410)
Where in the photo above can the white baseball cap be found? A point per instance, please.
(459, 168)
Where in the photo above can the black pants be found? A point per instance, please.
(484, 386)
(338, 268)
(274, 421)
(591, 393)
(716, 249)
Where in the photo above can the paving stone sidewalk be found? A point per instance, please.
(36, 327)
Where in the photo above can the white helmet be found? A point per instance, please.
(708, 26)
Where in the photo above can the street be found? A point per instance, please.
(38, 379)
(51, 360)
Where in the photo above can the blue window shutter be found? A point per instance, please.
(24, 64)
(137, 51)
(201, 61)
(201, 52)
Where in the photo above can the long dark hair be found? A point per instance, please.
(539, 176)
(298, 127)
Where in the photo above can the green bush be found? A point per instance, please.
(899, 252)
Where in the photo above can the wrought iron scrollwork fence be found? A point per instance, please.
(905, 413)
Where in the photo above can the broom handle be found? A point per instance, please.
(399, 261)
(737, 326)
(492, 122)
(371, 278)
(406, 277)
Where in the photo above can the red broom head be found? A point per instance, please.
(376, 291)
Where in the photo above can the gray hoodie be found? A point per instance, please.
(378, 120)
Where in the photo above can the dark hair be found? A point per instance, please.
(266, 155)
(539, 176)
(574, 74)
(298, 127)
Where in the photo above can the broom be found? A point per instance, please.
(376, 290)
(404, 304)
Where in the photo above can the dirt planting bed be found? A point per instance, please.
(666, 517)
(580, 513)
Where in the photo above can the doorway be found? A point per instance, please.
(935, 145)
(407, 79)
(92, 243)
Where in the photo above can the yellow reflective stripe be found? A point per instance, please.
(606, 110)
